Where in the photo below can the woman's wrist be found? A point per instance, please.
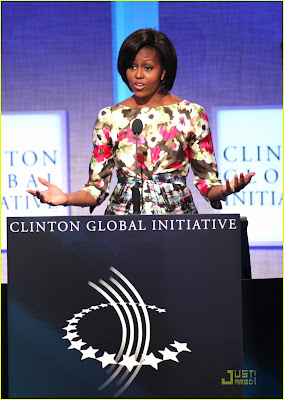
(216, 193)
(66, 202)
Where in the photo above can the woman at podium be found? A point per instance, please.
(150, 139)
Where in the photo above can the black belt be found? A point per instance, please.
(166, 178)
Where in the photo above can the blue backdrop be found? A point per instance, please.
(61, 56)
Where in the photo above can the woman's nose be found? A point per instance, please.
(139, 73)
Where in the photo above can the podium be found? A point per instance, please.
(125, 307)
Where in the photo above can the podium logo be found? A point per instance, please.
(133, 352)
(240, 377)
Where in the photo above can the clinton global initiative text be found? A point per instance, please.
(123, 225)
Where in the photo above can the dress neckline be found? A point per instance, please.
(149, 107)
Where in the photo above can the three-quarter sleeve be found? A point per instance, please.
(102, 162)
(200, 150)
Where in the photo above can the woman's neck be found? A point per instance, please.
(162, 100)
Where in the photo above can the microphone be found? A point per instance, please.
(137, 127)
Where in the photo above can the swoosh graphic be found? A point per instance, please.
(117, 309)
(129, 316)
(139, 324)
(136, 311)
(131, 334)
(147, 330)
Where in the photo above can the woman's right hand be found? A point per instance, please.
(52, 196)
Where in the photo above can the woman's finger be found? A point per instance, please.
(236, 182)
(33, 192)
(44, 182)
(228, 187)
(248, 177)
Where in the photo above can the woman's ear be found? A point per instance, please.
(163, 75)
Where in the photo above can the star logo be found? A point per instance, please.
(169, 355)
(120, 294)
(70, 335)
(76, 344)
(180, 346)
(107, 359)
(150, 359)
(89, 353)
(69, 328)
(129, 362)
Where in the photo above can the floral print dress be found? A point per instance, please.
(173, 137)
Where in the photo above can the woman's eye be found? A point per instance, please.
(132, 67)
(148, 69)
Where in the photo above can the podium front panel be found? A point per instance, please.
(124, 307)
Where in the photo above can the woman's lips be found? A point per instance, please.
(139, 86)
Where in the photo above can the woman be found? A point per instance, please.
(175, 133)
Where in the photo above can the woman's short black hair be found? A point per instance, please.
(152, 39)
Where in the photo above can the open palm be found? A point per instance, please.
(52, 196)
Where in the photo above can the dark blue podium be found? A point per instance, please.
(124, 307)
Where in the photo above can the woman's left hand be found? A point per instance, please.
(221, 192)
(237, 184)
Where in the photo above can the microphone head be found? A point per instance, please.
(137, 126)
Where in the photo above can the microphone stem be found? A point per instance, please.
(135, 189)
(136, 164)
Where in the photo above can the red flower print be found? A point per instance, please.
(125, 134)
(207, 144)
(129, 135)
(176, 165)
(168, 135)
(189, 152)
(204, 115)
(102, 153)
(140, 160)
(202, 187)
(106, 132)
(155, 154)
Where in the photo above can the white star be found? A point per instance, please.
(79, 315)
(150, 359)
(89, 353)
(132, 304)
(70, 327)
(76, 345)
(160, 310)
(73, 320)
(103, 305)
(95, 307)
(152, 307)
(70, 336)
(169, 355)
(107, 359)
(180, 346)
(129, 362)
(86, 310)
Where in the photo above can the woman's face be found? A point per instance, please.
(145, 74)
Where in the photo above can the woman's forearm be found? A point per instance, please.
(80, 198)
(217, 193)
